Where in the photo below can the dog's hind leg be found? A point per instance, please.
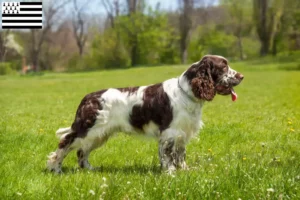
(68, 142)
(75, 137)
(88, 146)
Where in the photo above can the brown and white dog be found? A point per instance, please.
(169, 111)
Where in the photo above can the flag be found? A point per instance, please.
(22, 15)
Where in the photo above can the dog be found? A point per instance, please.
(169, 111)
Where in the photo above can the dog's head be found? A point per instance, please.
(212, 75)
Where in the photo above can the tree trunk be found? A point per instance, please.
(262, 25)
(35, 61)
(274, 46)
(3, 40)
(185, 25)
(184, 54)
(134, 53)
(2, 49)
(240, 44)
(132, 8)
(34, 52)
(80, 48)
(183, 42)
(264, 48)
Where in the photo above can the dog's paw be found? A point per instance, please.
(56, 171)
(84, 164)
(52, 164)
(184, 166)
(171, 170)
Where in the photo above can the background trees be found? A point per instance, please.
(38, 37)
(3, 44)
(101, 34)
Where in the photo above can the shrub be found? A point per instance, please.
(76, 63)
(6, 68)
(106, 53)
(209, 40)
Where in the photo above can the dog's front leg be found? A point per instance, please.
(166, 155)
(180, 152)
(172, 150)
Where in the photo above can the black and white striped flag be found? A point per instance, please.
(22, 15)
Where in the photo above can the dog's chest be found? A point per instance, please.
(188, 120)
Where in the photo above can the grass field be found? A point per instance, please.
(249, 149)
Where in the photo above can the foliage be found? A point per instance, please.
(250, 47)
(154, 40)
(209, 40)
(241, 153)
(7, 68)
(76, 63)
(133, 33)
(106, 53)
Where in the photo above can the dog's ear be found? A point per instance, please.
(202, 84)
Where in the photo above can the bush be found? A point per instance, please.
(209, 40)
(105, 53)
(150, 34)
(251, 47)
(76, 63)
(6, 68)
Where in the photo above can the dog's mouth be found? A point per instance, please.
(225, 90)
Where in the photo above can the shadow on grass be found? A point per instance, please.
(131, 169)
(290, 67)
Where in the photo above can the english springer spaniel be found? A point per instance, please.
(169, 111)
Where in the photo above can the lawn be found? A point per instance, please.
(248, 149)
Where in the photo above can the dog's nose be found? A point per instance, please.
(239, 76)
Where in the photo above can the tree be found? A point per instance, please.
(267, 15)
(79, 25)
(185, 26)
(240, 23)
(113, 12)
(3, 41)
(112, 9)
(133, 10)
(38, 37)
(132, 33)
(286, 33)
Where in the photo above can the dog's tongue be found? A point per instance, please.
(233, 95)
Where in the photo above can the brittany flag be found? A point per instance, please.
(22, 15)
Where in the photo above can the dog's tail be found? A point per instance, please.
(62, 131)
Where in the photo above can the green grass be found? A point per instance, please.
(249, 149)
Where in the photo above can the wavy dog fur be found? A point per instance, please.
(169, 111)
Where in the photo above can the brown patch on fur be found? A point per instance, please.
(86, 114)
(68, 140)
(156, 107)
(219, 66)
(80, 156)
(204, 74)
(239, 76)
(199, 76)
(130, 90)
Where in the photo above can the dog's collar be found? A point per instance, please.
(192, 98)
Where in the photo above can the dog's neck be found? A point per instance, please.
(185, 88)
